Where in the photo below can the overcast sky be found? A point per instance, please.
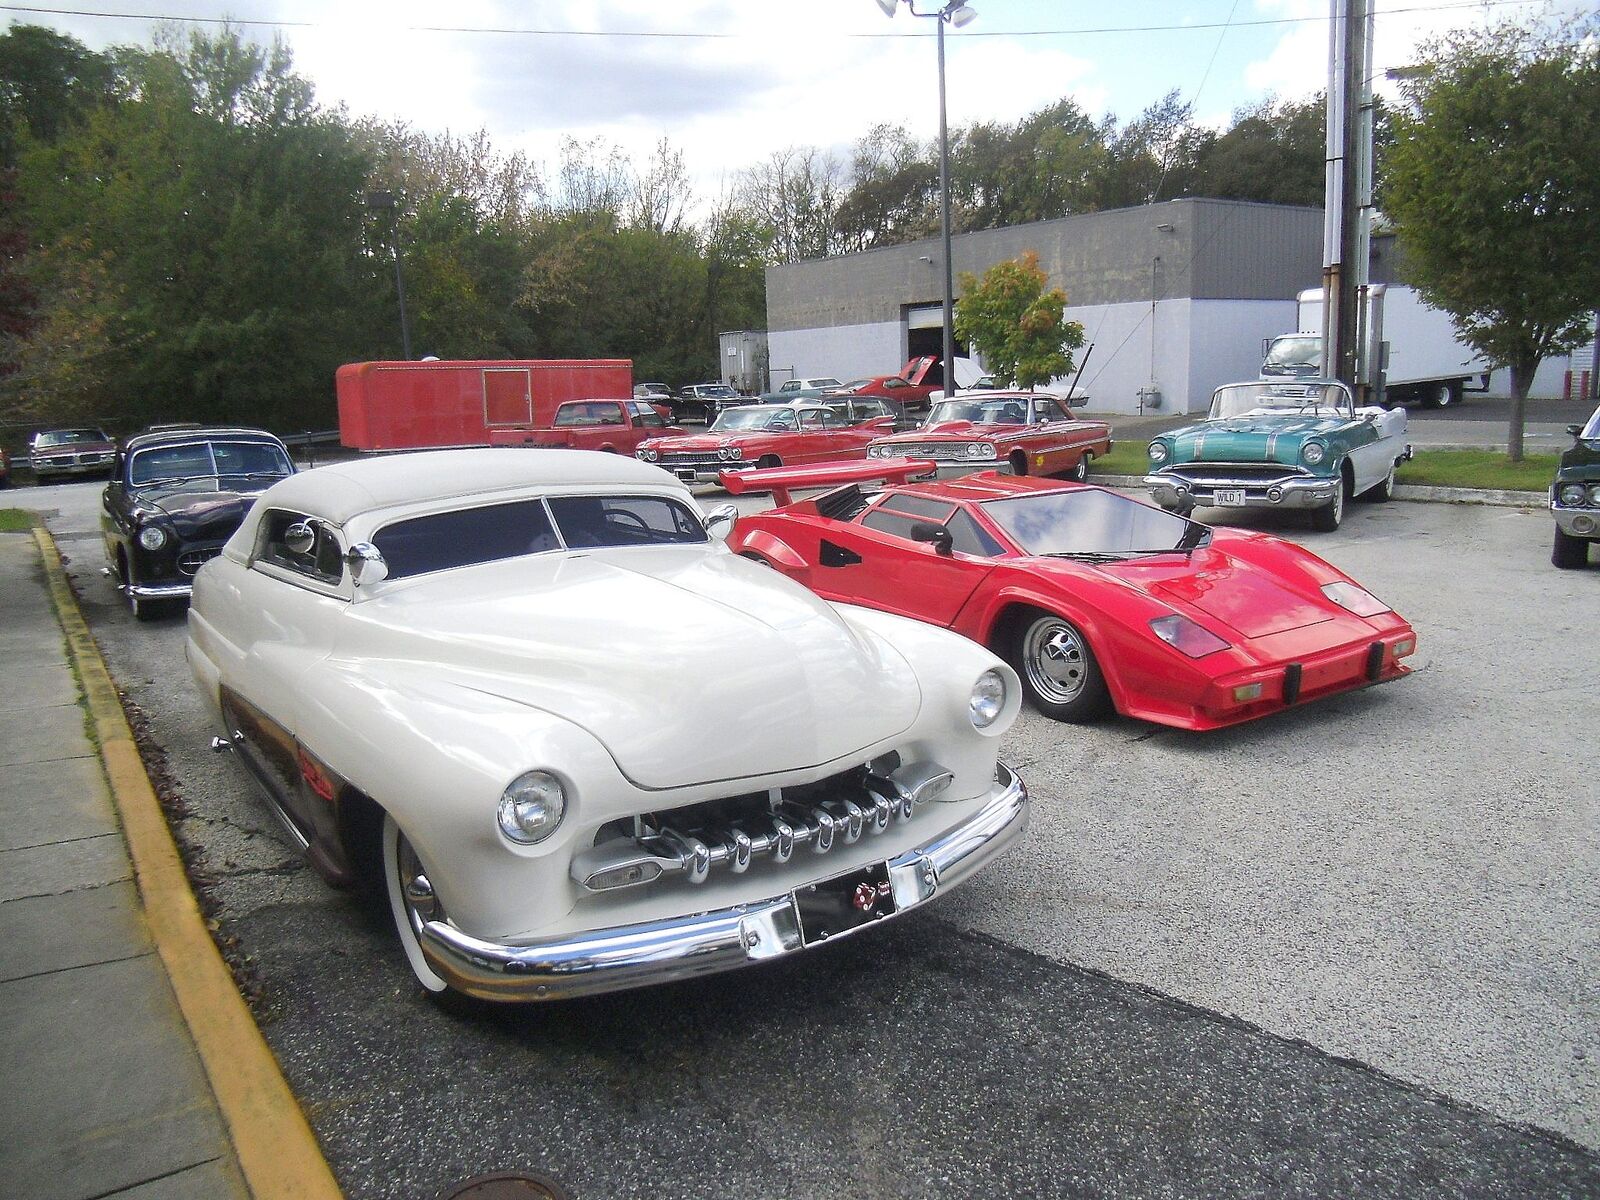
(731, 81)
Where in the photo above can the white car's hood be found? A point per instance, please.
(688, 667)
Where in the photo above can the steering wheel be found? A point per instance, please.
(622, 518)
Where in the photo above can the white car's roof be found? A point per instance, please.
(339, 491)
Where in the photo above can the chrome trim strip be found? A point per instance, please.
(606, 960)
(159, 591)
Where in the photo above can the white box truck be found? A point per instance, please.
(1412, 352)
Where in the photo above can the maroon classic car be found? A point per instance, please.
(1032, 433)
(764, 435)
(56, 452)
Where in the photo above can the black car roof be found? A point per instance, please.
(202, 433)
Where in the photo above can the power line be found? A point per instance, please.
(699, 35)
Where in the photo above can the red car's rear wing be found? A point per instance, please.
(780, 481)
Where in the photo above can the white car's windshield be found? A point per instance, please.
(469, 536)
(1090, 523)
(202, 460)
(753, 417)
(1237, 399)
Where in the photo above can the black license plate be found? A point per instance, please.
(843, 903)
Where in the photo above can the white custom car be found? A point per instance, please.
(583, 745)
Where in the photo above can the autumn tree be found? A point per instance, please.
(1494, 186)
(1017, 326)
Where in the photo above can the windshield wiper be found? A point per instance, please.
(1092, 555)
(1194, 537)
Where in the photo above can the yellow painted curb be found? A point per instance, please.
(277, 1151)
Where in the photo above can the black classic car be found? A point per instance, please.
(1575, 496)
(174, 497)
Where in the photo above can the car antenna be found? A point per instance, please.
(1083, 362)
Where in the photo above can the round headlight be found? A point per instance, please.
(1158, 452)
(727, 452)
(152, 537)
(1594, 493)
(988, 699)
(974, 449)
(1571, 494)
(531, 807)
(649, 455)
(1313, 452)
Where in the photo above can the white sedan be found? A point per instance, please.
(580, 744)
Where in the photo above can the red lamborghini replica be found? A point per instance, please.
(1100, 601)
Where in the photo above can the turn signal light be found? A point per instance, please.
(1246, 692)
(1404, 647)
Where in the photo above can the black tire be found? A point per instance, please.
(770, 460)
(1569, 553)
(1058, 669)
(1081, 472)
(1440, 395)
(1331, 515)
(1019, 463)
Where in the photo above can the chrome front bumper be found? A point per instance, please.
(1289, 491)
(608, 960)
(1577, 522)
(159, 591)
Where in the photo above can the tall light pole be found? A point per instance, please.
(956, 13)
(385, 202)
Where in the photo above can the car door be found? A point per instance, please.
(876, 561)
(1371, 455)
(283, 612)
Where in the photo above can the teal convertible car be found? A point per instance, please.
(1302, 445)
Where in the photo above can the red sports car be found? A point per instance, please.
(1032, 433)
(1102, 602)
(766, 435)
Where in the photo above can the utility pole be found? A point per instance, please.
(1347, 191)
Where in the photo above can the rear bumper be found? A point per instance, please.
(629, 956)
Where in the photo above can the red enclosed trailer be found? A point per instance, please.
(405, 405)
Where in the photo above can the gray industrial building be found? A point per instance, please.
(1176, 298)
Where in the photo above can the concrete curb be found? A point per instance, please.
(276, 1149)
(1402, 491)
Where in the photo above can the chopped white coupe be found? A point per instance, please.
(583, 746)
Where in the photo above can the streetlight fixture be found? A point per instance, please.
(955, 13)
(385, 202)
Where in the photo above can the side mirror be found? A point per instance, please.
(366, 564)
(1575, 430)
(300, 537)
(935, 535)
(719, 521)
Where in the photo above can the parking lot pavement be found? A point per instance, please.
(1178, 985)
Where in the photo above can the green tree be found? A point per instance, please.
(223, 210)
(1017, 326)
(1494, 186)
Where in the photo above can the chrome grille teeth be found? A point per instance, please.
(823, 825)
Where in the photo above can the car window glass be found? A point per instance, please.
(249, 458)
(644, 414)
(968, 537)
(169, 462)
(1085, 520)
(1047, 408)
(920, 507)
(815, 418)
(462, 538)
(783, 420)
(592, 521)
(323, 562)
(895, 383)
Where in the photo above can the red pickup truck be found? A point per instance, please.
(615, 426)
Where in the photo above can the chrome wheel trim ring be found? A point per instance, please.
(1055, 660)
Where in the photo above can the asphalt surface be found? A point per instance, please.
(1350, 950)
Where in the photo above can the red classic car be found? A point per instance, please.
(911, 389)
(1100, 601)
(763, 435)
(1032, 433)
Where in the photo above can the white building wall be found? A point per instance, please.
(1227, 338)
(845, 351)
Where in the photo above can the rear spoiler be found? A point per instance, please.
(781, 481)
